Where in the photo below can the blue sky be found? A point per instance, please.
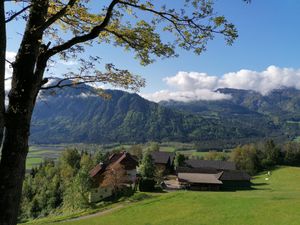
(269, 32)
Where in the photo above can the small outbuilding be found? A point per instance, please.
(235, 179)
(212, 175)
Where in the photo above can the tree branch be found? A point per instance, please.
(169, 17)
(59, 84)
(65, 85)
(174, 20)
(17, 14)
(11, 63)
(123, 38)
(160, 13)
(86, 37)
(58, 15)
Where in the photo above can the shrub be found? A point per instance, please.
(139, 196)
(147, 184)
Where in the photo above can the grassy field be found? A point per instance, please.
(37, 154)
(274, 201)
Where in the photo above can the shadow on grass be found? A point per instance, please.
(260, 186)
(245, 187)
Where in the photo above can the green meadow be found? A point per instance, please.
(275, 200)
(38, 154)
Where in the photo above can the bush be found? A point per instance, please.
(139, 196)
(146, 184)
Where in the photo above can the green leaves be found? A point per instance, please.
(145, 26)
(147, 167)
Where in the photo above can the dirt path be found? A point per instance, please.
(101, 213)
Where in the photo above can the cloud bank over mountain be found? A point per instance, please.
(191, 86)
(201, 86)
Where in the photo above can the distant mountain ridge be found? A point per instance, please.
(78, 115)
(283, 103)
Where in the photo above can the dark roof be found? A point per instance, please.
(196, 170)
(235, 175)
(200, 178)
(163, 157)
(213, 164)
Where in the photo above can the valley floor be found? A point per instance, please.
(275, 200)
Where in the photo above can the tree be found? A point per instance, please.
(154, 147)
(76, 193)
(148, 172)
(246, 158)
(100, 156)
(136, 150)
(214, 155)
(292, 153)
(69, 163)
(119, 23)
(42, 192)
(271, 154)
(179, 160)
(114, 178)
(147, 167)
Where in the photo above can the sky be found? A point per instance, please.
(265, 56)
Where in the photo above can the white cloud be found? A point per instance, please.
(264, 82)
(193, 80)
(7, 84)
(201, 86)
(185, 96)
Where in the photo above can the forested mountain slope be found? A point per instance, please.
(73, 115)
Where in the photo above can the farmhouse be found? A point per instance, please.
(211, 175)
(119, 170)
(164, 161)
(200, 181)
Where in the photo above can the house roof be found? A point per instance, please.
(200, 178)
(213, 164)
(196, 170)
(97, 169)
(123, 158)
(235, 175)
(163, 157)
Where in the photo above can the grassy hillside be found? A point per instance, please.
(273, 201)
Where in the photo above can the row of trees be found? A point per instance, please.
(255, 157)
(58, 186)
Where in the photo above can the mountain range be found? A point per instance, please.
(79, 115)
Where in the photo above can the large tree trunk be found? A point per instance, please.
(28, 70)
(12, 170)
